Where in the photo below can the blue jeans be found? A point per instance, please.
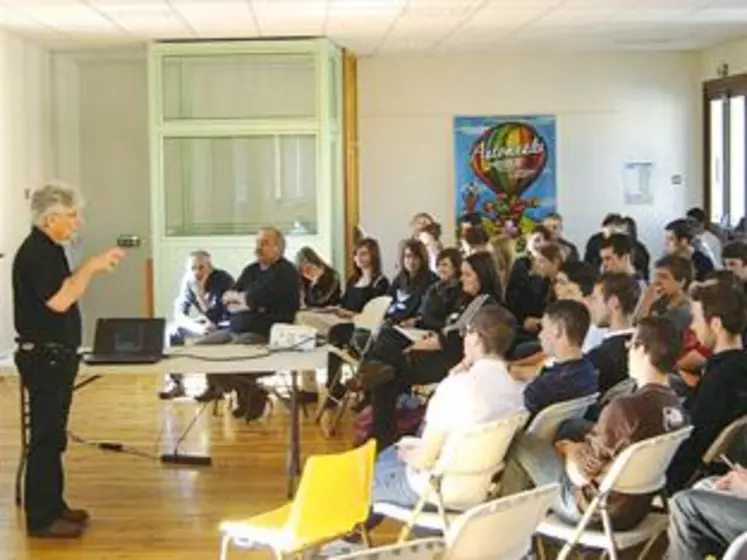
(390, 480)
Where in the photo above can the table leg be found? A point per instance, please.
(24, 408)
(294, 443)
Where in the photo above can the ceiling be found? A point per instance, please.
(382, 26)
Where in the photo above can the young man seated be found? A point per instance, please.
(667, 296)
(579, 466)
(480, 388)
(570, 375)
(721, 395)
(705, 520)
(679, 241)
(734, 257)
(616, 255)
(613, 303)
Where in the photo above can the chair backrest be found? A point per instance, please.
(372, 315)
(737, 549)
(319, 491)
(421, 549)
(545, 424)
(501, 528)
(642, 467)
(723, 442)
(469, 460)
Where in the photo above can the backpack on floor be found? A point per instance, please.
(408, 418)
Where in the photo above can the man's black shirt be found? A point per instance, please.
(40, 267)
(272, 295)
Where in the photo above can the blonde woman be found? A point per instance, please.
(503, 249)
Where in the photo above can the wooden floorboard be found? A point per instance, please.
(141, 508)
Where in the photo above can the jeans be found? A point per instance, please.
(534, 462)
(390, 480)
(703, 522)
(48, 374)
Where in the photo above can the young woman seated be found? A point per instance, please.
(320, 283)
(412, 282)
(480, 386)
(365, 283)
(441, 297)
(395, 363)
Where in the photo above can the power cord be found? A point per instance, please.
(295, 347)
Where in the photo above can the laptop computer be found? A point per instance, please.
(128, 341)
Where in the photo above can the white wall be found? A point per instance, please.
(610, 108)
(101, 145)
(733, 53)
(25, 152)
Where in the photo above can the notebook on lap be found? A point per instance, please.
(128, 341)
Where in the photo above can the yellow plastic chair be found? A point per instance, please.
(333, 499)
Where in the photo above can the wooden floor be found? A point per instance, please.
(142, 509)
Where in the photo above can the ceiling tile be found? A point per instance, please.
(217, 18)
(68, 17)
(145, 18)
(290, 17)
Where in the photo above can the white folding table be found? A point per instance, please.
(220, 359)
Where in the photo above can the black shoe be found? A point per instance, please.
(80, 516)
(173, 391)
(208, 395)
(60, 529)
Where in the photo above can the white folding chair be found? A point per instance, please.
(369, 319)
(720, 446)
(502, 528)
(462, 476)
(738, 549)
(639, 469)
(545, 424)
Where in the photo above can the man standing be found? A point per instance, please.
(48, 325)
(202, 290)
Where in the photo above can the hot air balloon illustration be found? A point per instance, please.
(509, 157)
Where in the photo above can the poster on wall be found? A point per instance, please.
(505, 171)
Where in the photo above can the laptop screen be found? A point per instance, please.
(129, 336)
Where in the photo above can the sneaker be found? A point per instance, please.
(60, 529)
(172, 391)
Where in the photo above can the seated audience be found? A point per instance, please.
(419, 222)
(441, 298)
(612, 223)
(482, 389)
(679, 241)
(641, 256)
(579, 466)
(430, 236)
(266, 293)
(667, 294)
(706, 236)
(734, 257)
(617, 256)
(528, 291)
(394, 364)
(365, 283)
(575, 281)
(475, 240)
(320, 283)
(704, 521)
(409, 286)
(570, 375)
(201, 291)
(721, 395)
(554, 224)
(503, 249)
(467, 221)
(612, 307)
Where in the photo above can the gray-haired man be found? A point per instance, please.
(48, 325)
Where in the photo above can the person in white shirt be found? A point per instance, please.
(478, 390)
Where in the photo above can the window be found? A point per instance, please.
(235, 186)
(726, 149)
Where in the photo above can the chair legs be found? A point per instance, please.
(404, 534)
(224, 544)
(607, 524)
(568, 547)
